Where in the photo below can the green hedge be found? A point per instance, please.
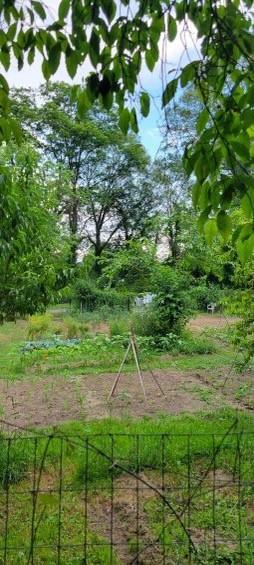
(89, 297)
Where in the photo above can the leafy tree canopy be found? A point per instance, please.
(118, 38)
(105, 191)
(32, 249)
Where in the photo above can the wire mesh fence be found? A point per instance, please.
(127, 498)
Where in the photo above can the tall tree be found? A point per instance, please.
(103, 170)
(32, 248)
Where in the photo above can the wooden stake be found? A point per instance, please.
(119, 372)
(133, 345)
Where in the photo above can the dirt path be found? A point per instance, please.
(205, 321)
(53, 400)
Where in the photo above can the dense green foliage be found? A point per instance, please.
(116, 39)
(103, 188)
(90, 297)
(32, 252)
(170, 308)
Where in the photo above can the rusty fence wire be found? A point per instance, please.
(127, 498)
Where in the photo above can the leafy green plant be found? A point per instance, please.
(203, 295)
(39, 325)
(90, 297)
(119, 327)
(49, 344)
(72, 328)
(171, 306)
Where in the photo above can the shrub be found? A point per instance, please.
(73, 328)
(39, 325)
(202, 295)
(120, 326)
(89, 297)
(170, 308)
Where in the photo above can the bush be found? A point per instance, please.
(203, 295)
(170, 309)
(39, 325)
(121, 326)
(89, 297)
(187, 344)
(73, 328)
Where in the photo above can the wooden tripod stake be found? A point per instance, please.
(133, 345)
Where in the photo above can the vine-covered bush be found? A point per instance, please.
(171, 306)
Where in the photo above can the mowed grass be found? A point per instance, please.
(98, 354)
(184, 452)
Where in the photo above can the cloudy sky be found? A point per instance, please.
(174, 55)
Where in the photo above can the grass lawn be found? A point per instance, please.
(192, 460)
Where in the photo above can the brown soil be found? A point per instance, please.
(53, 400)
(130, 529)
(203, 321)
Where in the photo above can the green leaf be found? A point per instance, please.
(4, 83)
(196, 189)
(172, 28)
(202, 120)
(93, 86)
(124, 120)
(39, 9)
(3, 38)
(54, 58)
(5, 59)
(107, 99)
(158, 25)
(83, 103)
(224, 224)
(210, 230)
(202, 168)
(248, 117)
(241, 150)
(133, 120)
(46, 69)
(150, 59)
(12, 31)
(188, 73)
(94, 48)
(169, 91)
(247, 204)
(71, 61)
(145, 104)
(109, 9)
(245, 247)
(31, 56)
(63, 9)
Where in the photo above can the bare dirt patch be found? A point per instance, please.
(130, 529)
(52, 400)
(203, 321)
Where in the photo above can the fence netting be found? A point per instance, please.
(127, 498)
